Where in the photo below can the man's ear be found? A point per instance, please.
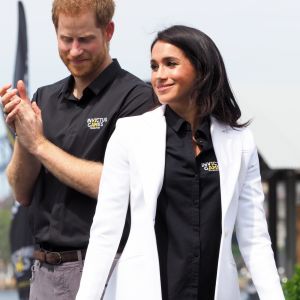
(109, 30)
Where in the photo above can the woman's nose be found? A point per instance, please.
(161, 72)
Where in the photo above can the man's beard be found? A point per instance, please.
(87, 68)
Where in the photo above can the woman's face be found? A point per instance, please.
(173, 75)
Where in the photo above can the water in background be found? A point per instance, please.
(12, 295)
(8, 295)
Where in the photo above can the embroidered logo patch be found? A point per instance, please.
(96, 123)
(211, 166)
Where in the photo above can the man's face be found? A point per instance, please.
(82, 45)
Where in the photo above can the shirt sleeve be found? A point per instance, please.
(252, 230)
(35, 97)
(109, 219)
(138, 101)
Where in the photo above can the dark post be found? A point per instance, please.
(290, 222)
(272, 218)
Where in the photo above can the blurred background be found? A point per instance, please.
(259, 41)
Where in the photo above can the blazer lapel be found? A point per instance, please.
(152, 155)
(228, 152)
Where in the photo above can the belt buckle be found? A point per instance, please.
(59, 258)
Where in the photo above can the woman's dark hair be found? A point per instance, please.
(211, 89)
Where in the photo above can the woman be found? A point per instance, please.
(191, 172)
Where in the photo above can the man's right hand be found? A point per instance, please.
(9, 101)
(4, 89)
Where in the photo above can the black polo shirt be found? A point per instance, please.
(60, 216)
(188, 218)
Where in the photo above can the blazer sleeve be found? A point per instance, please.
(109, 218)
(251, 227)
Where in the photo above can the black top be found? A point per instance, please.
(60, 216)
(188, 218)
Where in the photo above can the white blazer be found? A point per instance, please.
(134, 168)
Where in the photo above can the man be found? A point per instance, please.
(61, 139)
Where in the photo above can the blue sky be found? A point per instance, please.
(259, 41)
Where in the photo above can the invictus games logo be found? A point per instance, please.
(96, 123)
(211, 166)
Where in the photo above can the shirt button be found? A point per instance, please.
(196, 228)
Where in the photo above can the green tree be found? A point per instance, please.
(5, 219)
(292, 287)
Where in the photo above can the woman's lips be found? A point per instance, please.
(163, 87)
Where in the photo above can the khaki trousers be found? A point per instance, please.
(60, 282)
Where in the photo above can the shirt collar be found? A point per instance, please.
(174, 121)
(96, 86)
(202, 132)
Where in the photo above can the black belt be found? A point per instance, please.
(57, 258)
